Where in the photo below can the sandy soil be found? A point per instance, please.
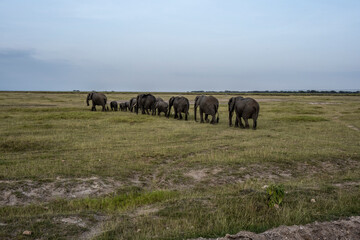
(343, 229)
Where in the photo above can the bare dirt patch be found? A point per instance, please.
(25, 192)
(343, 229)
(197, 175)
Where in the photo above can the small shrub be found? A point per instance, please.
(275, 194)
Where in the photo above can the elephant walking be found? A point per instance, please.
(161, 106)
(132, 103)
(208, 105)
(127, 106)
(232, 109)
(145, 102)
(181, 105)
(113, 105)
(123, 106)
(245, 108)
(97, 99)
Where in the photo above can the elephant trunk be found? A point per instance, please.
(169, 111)
(230, 118)
(88, 99)
(137, 105)
(171, 102)
(195, 107)
(231, 105)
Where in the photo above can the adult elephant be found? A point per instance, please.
(231, 105)
(132, 103)
(208, 105)
(181, 105)
(245, 108)
(97, 99)
(145, 102)
(161, 106)
(114, 105)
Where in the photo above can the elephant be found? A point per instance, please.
(123, 106)
(127, 106)
(244, 108)
(114, 105)
(132, 102)
(208, 105)
(231, 109)
(145, 102)
(97, 99)
(181, 105)
(161, 106)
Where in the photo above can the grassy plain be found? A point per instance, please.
(67, 172)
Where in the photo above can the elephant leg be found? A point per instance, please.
(180, 116)
(246, 120)
(236, 122)
(213, 119)
(207, 118)
(93, 108)
(238, 118)
(254, 123)
(186, 116)
(201, 116)
(176, 114)
(241, 124)
(147, 112)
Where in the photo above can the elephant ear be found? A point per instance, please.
(171, 100)
(90, 96)
(195, 101)
(232, 104)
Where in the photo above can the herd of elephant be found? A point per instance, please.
(245, 108)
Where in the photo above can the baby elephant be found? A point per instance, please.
(244, 108)
(123, 106)
(161, 106)
(114, 106)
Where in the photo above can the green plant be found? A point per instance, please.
(275, 194)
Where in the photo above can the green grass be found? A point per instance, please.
(175, 179)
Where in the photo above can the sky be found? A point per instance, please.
(179, 45)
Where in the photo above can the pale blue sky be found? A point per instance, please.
(179, 45)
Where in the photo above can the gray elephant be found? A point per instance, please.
(97, 99)
(123, 106)
(231, 109)
(145, 102)
(127, 106)
(181, 105)
(114, 105)
(161, 106)
(132, 103)
(245, 108)
(208, 105)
